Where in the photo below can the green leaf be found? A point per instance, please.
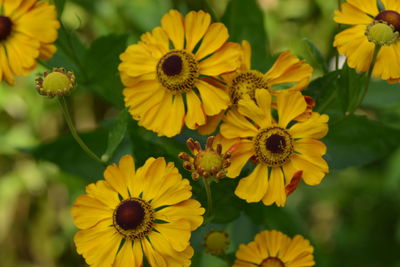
(101, 67)
(382, 94)
(245, 21)
(69, 157)
(350, 87)
(357, 141)
(323, 90)
(116, 135)
(59, 6)
(315, 56)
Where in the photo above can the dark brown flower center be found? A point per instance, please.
(391, 17)
(272, 262)
(273, 146)
(275, 143)
(246, 83)
(129, 215)
(5, 27)
(172, 65)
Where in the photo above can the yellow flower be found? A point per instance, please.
(275, 249)
(173, 67)
(28, 29)
(288, 73)
(370, 27)
(281, 148)
(136, 213)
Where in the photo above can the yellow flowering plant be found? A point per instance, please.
(257, 133)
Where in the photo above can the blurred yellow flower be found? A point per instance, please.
(136, 213)
(275, 249)
(172, 68)
(370, 27)
(281, 148)
(28, 29)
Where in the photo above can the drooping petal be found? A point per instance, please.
(172, 23)
(387, 64)
(88, 211)
(130, 255)
(246, 56)
(214, 99)
(235, 125)
(247, 107)
(241, 153)
(349, 14)
(276, 188)
(353, 43)
(195, 115)
(253, 187)
(98, 245)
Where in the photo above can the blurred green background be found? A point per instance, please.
(351, 219)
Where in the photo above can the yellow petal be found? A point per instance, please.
(391, 5)
(355, 46)
(196, 25)
(47, 51)
(117, 180)
(312, 174)
(263, 99)
(368, 6)
(211, 124)
(158, 40)
(274, 241)
(315, 127)
(214, 98)
(276, 188)
(241, 153)
(5, 68)
(310, 146)
(98, 245)
(137, 61)
(222, 61)
(189, 210)
(298, 246)
(349, 14)
(246, 56)
(249, 253)
(18, 7)
(290, 105)
(22, 52)
(153, 257)
(177, 233)
(103, 192)
(195, 115)
(247, 107)
(215, 37)
(236, 125)
(281, 64)
(129, 256)
(88, 211)
(172, 23)
(387, 64)
(253, 187)
(39, 23)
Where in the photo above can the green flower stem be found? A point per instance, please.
(369, 75)
(85, 148)
(209, 197)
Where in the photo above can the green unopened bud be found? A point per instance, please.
(58, 82)
(381, 33)
(216, 242)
